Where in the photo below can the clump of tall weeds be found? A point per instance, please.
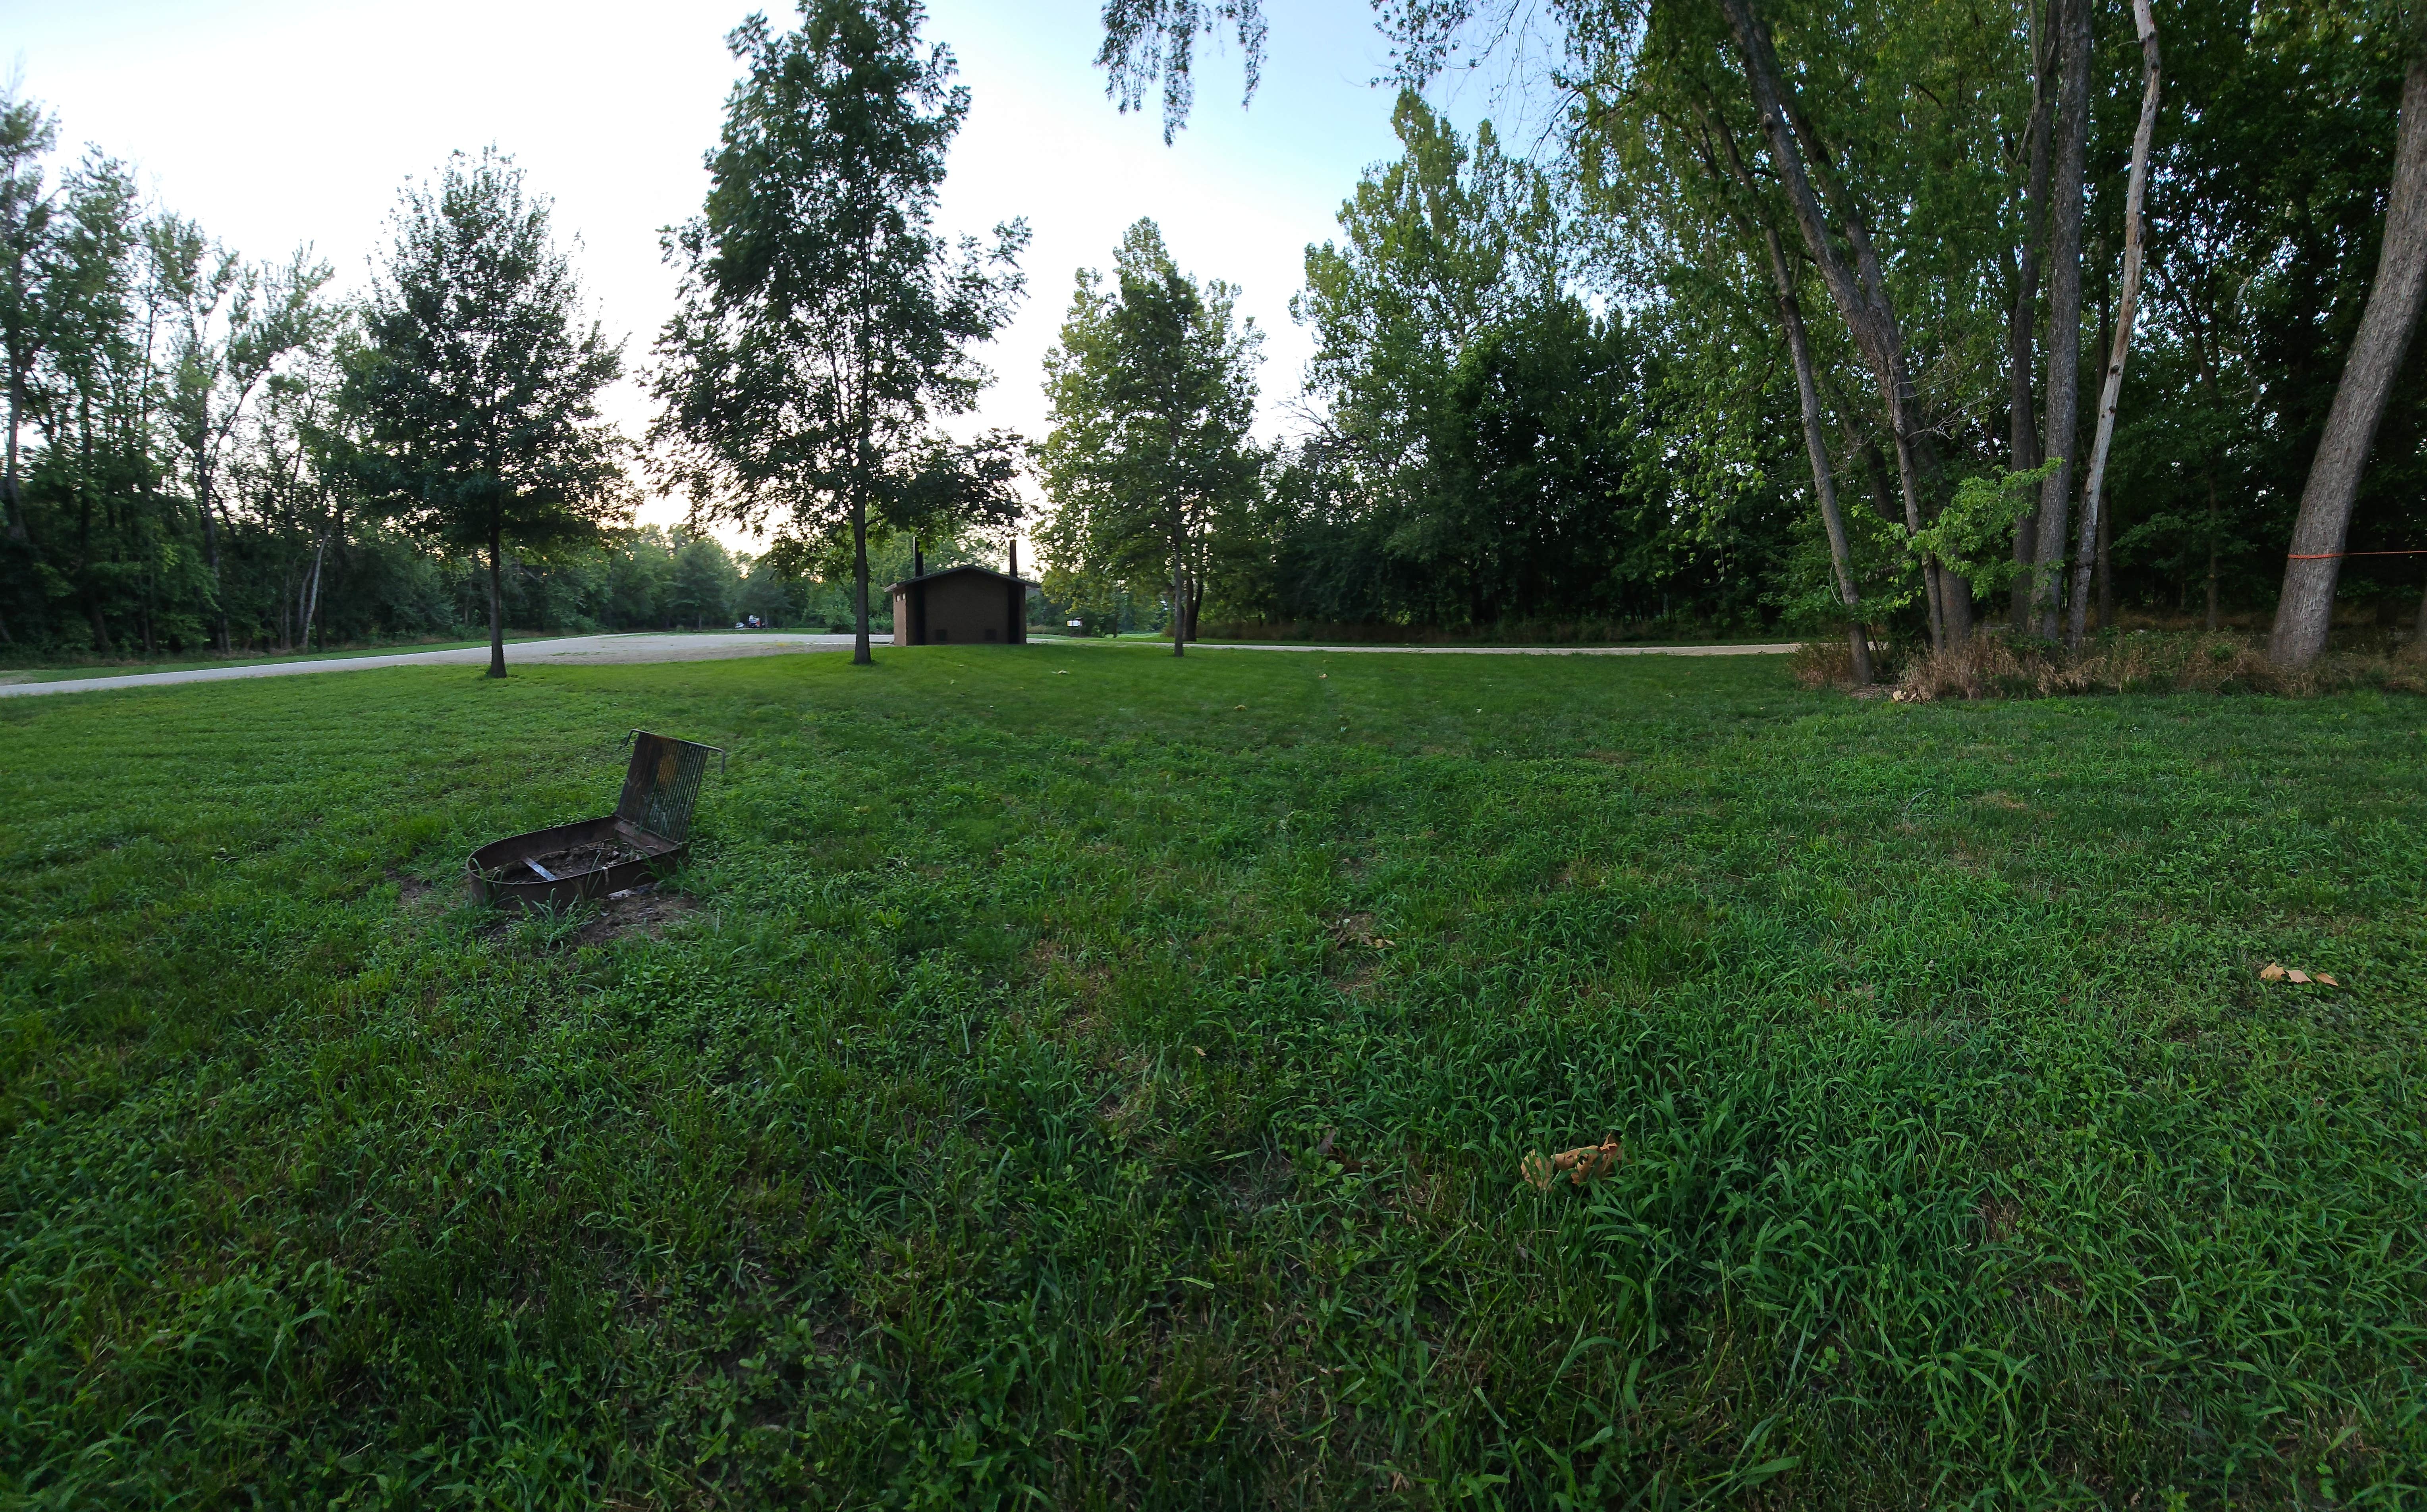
(1830, 664)
(1993, 665)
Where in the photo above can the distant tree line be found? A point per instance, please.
(1800, 317)
(205, 451)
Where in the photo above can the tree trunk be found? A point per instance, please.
(312, 590)
(2023, 425)
(1858, 287)
(2305, 611)
(1179, 587)
(2064, 312)
(1807, 391)
(16, 521)
(211, 559)
(2106, 572)
(1816, 447)
(2094, 532)
(497, 604)
(2203, 361)
(2213, 619)
(859, 654)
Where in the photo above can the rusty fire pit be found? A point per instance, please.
(647, 837)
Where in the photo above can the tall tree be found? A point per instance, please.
(1857, 281)
(2095, 523)
(824, 322)
(476, 380)
(2023, 453)
(1723, 148)
(1152, 389)
(2304, 612)
(2060, 445)
(234, 323)
(28, 249)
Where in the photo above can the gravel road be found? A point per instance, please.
(609, 650)
(572, 650)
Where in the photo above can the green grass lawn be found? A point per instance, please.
(1074, 1088)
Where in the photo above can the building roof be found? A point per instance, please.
(947, 572)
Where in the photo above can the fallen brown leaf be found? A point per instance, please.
(1582, 1164)
(2270, 972)
(2327, 980)
(2297, 976)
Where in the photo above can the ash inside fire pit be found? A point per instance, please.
(572, 861)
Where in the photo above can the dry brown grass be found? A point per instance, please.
(1830, 664)
(1991, 666)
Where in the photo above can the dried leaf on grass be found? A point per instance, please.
(1582, 1164)
(2273, 972)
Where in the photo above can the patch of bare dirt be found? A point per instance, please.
(647, 912)
(1356, 930)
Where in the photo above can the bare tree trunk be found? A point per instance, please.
(2064, 312)
(496, 602)
(2419, 640)
(2305, 611)
(2094, 532)
(2023, 427)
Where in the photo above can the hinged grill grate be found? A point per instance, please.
(661, 785)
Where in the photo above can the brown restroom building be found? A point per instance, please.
(961, 606)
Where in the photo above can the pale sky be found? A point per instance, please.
(274, 123)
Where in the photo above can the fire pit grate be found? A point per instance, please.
(661, 785)
(647, 837)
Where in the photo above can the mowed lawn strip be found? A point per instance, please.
(1096, 1076)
